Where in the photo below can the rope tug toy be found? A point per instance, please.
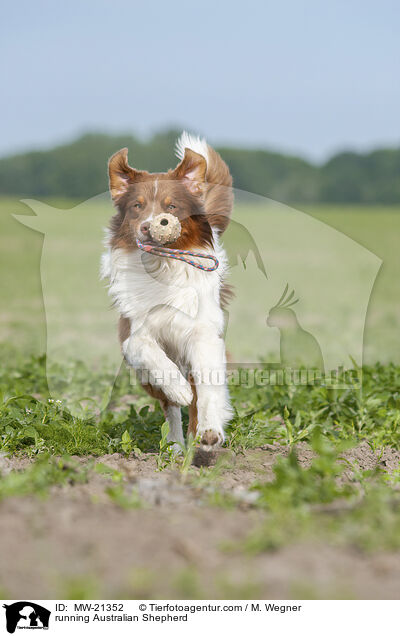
(165, 228)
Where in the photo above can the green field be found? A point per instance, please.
(303, 501)
(70, 274)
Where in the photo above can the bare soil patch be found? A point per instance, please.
(177, 545)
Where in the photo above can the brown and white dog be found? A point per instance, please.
(171, 314)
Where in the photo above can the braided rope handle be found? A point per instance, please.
(168, 252)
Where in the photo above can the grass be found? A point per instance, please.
(33, 423)
(68, 272)
(294, 486)
(40, 476)
(364, 516)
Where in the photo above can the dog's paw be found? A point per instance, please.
(211, 439)
(209, 449)
(178, 392)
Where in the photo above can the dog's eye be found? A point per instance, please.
(171, 207)
(137, 206)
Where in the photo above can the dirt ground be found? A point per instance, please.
(177, 545)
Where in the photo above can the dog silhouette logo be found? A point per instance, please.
(26, 615)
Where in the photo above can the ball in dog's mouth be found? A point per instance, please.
(165, 228)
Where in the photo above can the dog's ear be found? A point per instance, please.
(192, 170)
(121, 174)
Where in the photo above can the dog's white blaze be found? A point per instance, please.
(155, 196)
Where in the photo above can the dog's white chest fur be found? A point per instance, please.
(167, 297)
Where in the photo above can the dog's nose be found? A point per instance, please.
(145, 227)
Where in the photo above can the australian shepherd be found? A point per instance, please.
(171, 323)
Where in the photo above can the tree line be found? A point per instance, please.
(78, 169)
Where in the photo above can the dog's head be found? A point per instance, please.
(139, 196)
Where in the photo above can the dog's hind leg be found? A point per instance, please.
(172, 414)
(174, 419)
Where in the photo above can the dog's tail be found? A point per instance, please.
(218, 195)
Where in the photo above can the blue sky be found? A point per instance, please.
(308, 77)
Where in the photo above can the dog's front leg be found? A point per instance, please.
(208, 366)
(144, 354)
